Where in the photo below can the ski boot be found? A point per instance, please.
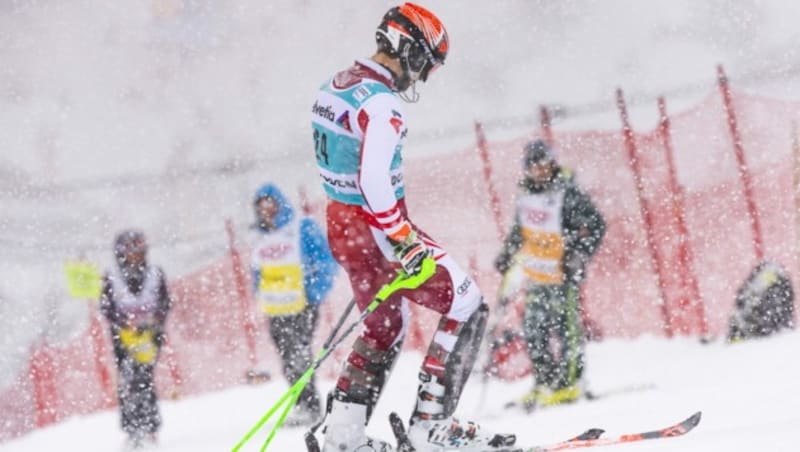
(542, 397)
(302, 417)
(345, 429)
(430, 430)
(567, 394)
(140, 440)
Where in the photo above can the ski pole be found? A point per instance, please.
(503, 300)
(402, 281)
(290, 392)
(330, 339)
(339, 323)
(289, 398)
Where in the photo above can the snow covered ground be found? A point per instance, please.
(745, 392)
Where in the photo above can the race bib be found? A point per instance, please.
(280, 290)
(541, 257)
(141, 346)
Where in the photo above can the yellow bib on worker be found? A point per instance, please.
(542, 251)
(277, 260)
(141, 345)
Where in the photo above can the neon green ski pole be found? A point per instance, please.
(289, 398)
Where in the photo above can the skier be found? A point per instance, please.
(135, 301)
(358, 129)
(293, 271)
(556, 230)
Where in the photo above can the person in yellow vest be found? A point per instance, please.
(135, 301)
(293, 271)
(557, 228)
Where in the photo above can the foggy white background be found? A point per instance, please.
(167, 114)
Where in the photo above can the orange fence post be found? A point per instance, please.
(741, 163)
(42, 377)
(101, 354)
(242, 293)
(633, 160)
(494, 198)
(174, 370)
(685, 255)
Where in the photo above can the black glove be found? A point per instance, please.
(502, 263)
(411, 252)
(575, 266)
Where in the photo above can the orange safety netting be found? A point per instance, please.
(216, 335)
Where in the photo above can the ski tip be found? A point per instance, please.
(694, 419)
(398, 428)
(312, 445)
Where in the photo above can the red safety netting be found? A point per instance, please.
(215, 335)
(716, 211)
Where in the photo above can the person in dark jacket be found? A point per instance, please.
(557, 228)
(293, 271)
(135, 301)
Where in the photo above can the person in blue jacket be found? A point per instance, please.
(293, 270)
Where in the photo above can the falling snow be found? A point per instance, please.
(167, 115)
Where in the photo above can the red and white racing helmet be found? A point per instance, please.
(417, 38)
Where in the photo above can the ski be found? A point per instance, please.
(311, 442)
(399, 430)
(589, 438)
(404, 445)
(679, 429)
(588, 435)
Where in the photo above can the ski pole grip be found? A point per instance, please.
(405, 281)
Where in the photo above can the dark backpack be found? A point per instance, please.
(764, 304)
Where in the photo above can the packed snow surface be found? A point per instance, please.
(744, 391)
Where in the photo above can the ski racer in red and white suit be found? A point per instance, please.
(359, 126)
(362, 235)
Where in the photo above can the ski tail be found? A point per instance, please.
(592, 437)
(311, 442)
(399, 430)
